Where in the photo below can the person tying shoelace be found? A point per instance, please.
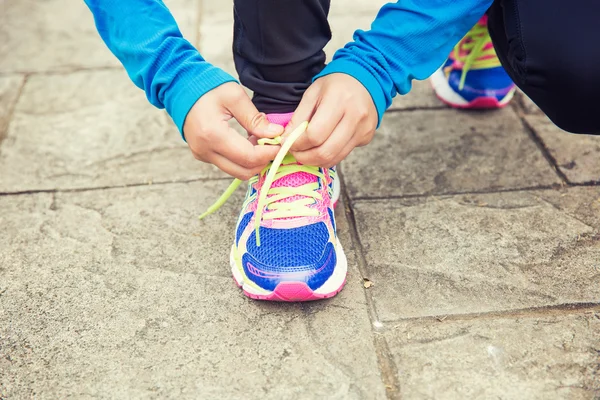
(475, 51)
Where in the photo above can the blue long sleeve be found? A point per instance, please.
(144, 36)
(408, 40)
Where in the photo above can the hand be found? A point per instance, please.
(341, 116)
(212, 140)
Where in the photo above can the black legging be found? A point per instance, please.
(548, 47)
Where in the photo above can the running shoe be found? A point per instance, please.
(473, 77)
(286, 247)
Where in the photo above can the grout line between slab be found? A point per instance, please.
(530, 312)
(91, 189)
(417, 108)
(586, 183)
(540, 144)
(11, 112)
(449, 194)
(353, 199)
(63, 71)
(385, 361)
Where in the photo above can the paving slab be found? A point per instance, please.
(577, 156)
(447, 151)
(582, 203)
(10, 85)
(78, 131)
(527, 104)
(216, 37)
(356, 7)
(123, 293)
(469, 254)
(68, 40)
(513, 357)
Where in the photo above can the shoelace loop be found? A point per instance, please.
(471, 52)
(271, 198)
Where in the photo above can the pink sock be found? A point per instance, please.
(280, 119)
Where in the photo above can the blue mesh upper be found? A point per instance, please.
(242, 225)
(330, 212)
(285, 248)
(297, 254)
(269, 276)
(492, 82)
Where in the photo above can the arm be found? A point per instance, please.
(144, 36)
(408, 40)
(199, 97)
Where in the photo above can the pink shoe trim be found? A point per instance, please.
(294, 292)
(481, 103)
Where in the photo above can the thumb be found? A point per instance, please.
(253, 121)
(303, 113)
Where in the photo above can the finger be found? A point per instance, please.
(327, 116)
(232, 168)
(253, 139)
(351, 145)
(327, 153)
(253, 121)
(242, 152)
(304, 111)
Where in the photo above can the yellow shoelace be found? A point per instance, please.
(270, 198)
(476, 57)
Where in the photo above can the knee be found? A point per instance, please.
(566, 88)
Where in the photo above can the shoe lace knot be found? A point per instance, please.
(284, 201)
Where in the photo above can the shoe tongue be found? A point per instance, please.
(292, 180)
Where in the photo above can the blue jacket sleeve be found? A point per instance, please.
(408, 40)
(144, 36)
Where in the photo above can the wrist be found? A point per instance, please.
(188, 86)
(363, 75)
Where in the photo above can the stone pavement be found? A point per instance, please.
(480, 232)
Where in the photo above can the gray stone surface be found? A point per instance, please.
(527, 104)
(510, 357)
(10, 86)
(356, 8)
(116, 292)
(123, 293)
(577, 156)
(420, 96)
(31, 40)
(480, 253)
(216, 38)
(98, 130)
(582, 203)
(447, 151)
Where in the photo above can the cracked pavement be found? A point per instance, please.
(480, 232)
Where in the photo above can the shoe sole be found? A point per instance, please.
(294, 291)
(447, 95)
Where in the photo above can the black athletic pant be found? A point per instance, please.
(548, 47)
